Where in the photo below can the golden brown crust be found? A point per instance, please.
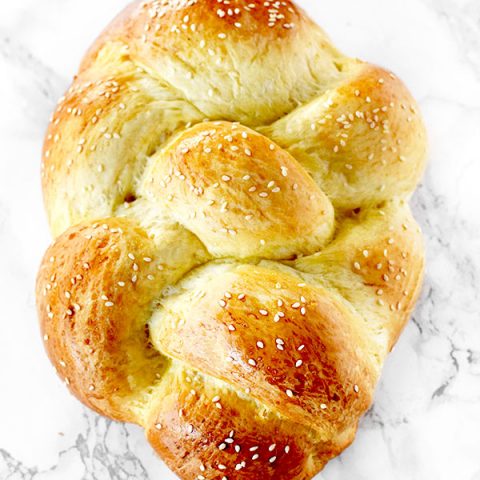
(89, 279)
(363, 143)
(248, 279)
(99, 138)
(249, 197)
(293, 348)
(376, 262)
(150, 26)
(86, 334)
(176, 40)
(205, 429)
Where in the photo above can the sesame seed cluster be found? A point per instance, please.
(235, 255)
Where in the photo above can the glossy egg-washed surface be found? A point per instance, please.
(234, 253)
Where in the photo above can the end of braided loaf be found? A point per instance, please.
(232, 287)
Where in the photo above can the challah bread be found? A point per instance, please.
(234, 253)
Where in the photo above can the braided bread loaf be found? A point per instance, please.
(232, 287)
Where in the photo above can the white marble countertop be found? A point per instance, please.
(425, 423)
